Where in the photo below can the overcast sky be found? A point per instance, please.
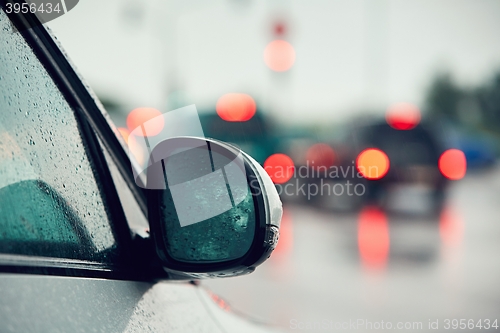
(352, 55)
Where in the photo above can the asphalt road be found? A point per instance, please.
(329, 274)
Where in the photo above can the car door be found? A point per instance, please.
(65, 244)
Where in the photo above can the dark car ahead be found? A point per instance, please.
(399, 169)
(401, 163)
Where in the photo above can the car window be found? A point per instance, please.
(50, 200)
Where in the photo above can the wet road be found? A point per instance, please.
(334, 270)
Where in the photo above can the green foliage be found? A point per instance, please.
(443, 97)
(475, 108)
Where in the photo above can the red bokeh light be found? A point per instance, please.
(373, 238)
(451, 227)
(453, 164)
(320, 155)
(279, 167)
(139, 116)
(279, 55)
(403, 116)
(372, 163)
(221, 303)
(279, 29)
(236, 107)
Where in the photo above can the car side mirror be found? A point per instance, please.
(213, 210)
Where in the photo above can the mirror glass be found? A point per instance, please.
(207, 210)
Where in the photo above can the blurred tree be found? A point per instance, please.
(444, 97)
(488, 97)
(476, 110)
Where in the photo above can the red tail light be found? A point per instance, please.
(236, 107)
(320, 155)
(372, 163)
(453, 164)
(403, 116)
(280, 168)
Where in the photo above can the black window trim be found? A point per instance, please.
(91, 120)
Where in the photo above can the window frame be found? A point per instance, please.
(91, 121)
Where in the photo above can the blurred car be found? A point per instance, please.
(398, 168)
(478, 147)
(74, 253)
(316, 173)
(400, 163)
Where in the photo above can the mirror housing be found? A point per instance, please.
(215, 212)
